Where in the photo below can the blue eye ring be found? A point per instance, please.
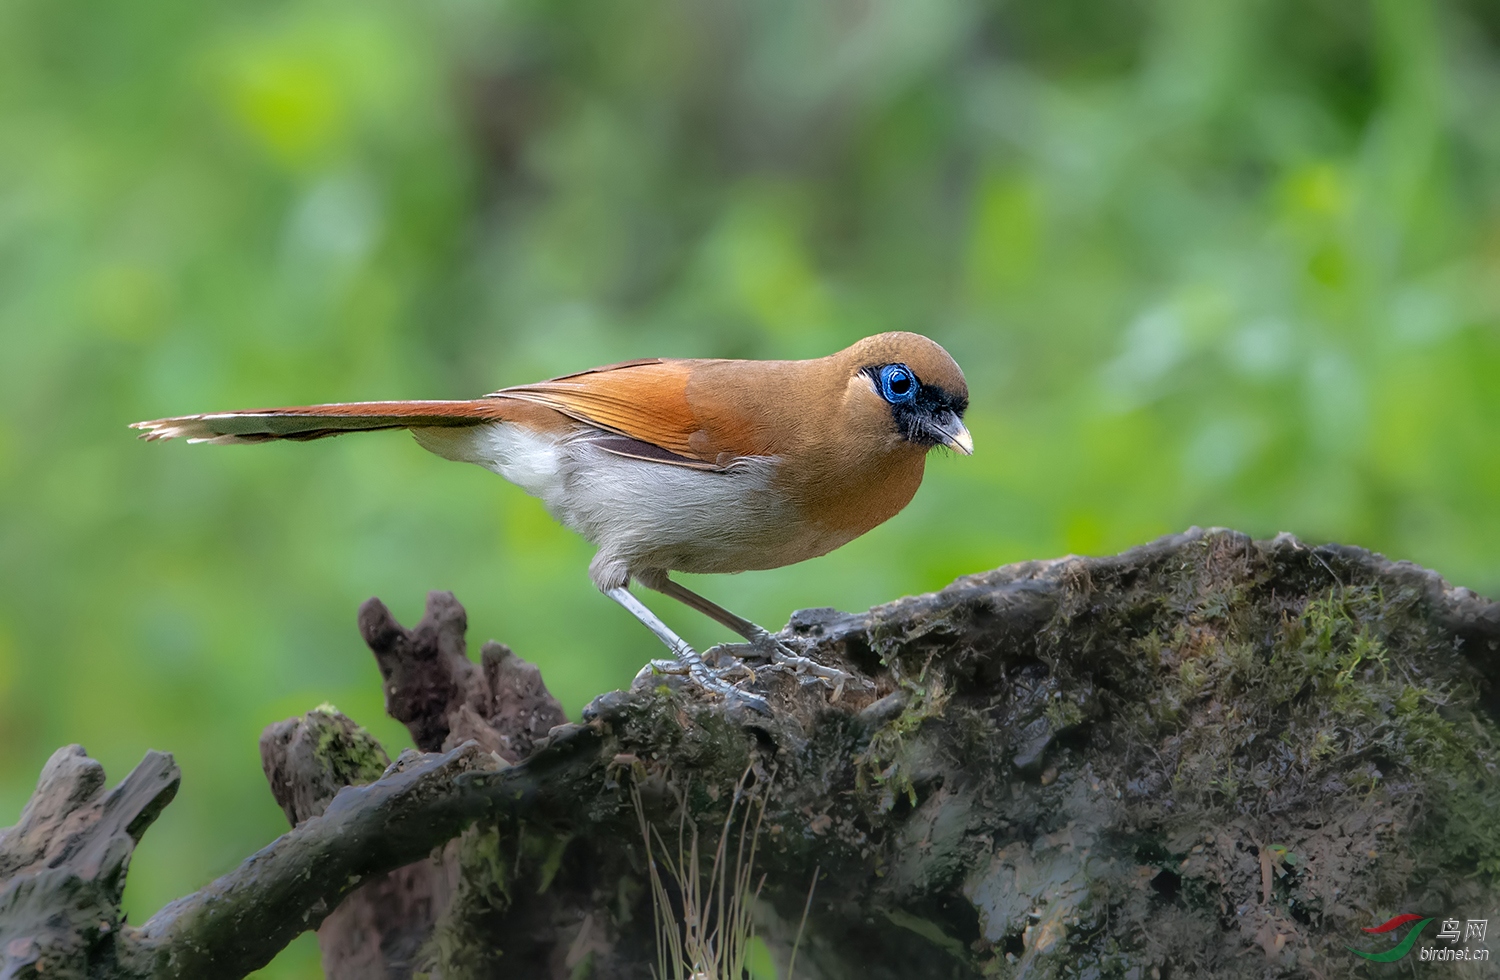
(897, 384)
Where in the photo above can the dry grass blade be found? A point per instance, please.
(710, 940)
(791, 967)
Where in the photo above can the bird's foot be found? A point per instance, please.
(685, 659)
(783, 657)
(713, 679)
(725, 665)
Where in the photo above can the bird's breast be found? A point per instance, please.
(841, 500)
(655, 515)
(761, 512)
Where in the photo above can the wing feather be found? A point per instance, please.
(646, 401)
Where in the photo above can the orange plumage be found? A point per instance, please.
(687, 465)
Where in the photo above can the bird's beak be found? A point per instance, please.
(951, 432)
(959, 439)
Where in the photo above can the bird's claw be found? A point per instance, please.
(712, 679)
(732, 692)
(726, 664)
(783, 657)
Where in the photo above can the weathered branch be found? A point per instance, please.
(62, 867)
(1204, 756)
(442, 697)
(432, 686)
(239, 922)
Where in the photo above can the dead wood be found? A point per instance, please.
(1207, 756)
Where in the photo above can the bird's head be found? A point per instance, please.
(910, 388)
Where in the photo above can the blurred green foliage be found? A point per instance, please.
(1230, 263)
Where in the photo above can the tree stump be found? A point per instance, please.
(1207, 756)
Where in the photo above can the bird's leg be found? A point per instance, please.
(761, 641)
(691, 662)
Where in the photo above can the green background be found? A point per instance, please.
(1229, 263)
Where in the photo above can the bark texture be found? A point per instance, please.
(1207, 756)
(500, 706)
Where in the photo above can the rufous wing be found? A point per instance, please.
(652, 403)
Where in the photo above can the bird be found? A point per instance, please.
(683, 465)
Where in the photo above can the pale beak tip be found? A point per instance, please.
(961, 441)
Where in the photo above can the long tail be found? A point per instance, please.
(319, 421)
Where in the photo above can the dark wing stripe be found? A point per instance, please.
(651, 453)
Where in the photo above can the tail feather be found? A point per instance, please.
(319, 421)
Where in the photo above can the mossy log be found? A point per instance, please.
(1207, 756)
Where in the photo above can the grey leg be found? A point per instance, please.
(707, 607)
(684, 653)
(760, 640)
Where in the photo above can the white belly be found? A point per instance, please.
(641, 515)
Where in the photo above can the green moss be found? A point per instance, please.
(1063, 713)
(550, 860)
(1170, 736)
(1348, 708)
(1319, 718)
(887, 760)
(689, 735)
(348, 751)
(461, 946)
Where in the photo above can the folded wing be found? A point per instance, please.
(654, 408)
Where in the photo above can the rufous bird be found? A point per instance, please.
(684, 465)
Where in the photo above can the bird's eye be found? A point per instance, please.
(897, 383)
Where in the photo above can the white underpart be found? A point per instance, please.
(644, 517)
